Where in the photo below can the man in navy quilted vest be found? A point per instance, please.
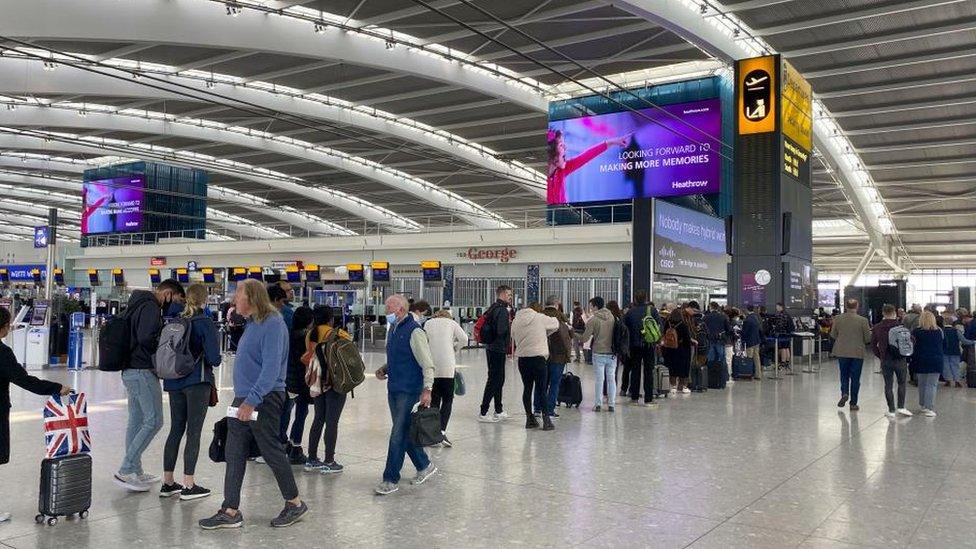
(409, 370)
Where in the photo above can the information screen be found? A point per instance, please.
(669, 151)
(431, 271)
(113, 205)
(688, 243)
(381, 272)
(39, 314)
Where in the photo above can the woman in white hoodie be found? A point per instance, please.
(530, 334)
(446, 338)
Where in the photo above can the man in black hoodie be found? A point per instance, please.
(145, 316)
(496, 351)
(641, 359)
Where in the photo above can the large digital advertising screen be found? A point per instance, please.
(669, 151)
(688, 243)
(113, 205)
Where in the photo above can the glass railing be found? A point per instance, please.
(521, 218)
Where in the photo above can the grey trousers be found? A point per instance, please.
(265, 432)
(894, 368)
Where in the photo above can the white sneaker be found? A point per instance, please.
(146, 478)
(4, 517)
(488, 418)
(131, 482)
(929, 413)
(686, 391)
(422, 476)
(502, 416)
(673, 392)
(904, 412)
(890, 415)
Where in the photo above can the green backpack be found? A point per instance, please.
(650, 330)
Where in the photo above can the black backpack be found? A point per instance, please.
(621, 339)
(115, 343)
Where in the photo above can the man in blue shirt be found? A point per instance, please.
(410, 373)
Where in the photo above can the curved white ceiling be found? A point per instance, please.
(205, 23)
(100, 117)
(27, 76)
(39, 140)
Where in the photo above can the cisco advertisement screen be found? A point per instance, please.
(113, 205)
(688, 243)
(669, 151)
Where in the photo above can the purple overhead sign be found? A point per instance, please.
(669, 151)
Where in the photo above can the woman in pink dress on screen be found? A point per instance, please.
(560, 167)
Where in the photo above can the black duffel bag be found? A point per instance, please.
(425, 426)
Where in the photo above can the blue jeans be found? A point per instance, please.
(928, 384)
(950, 368)
(401, 406)
(145, 416)
(545, 396)
(605, 366)
(716, 352)
(850, 376)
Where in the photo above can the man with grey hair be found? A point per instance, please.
(409, 370)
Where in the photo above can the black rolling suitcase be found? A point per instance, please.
(699, 378)
(717, 373)
(971, 376)
(570, 390)
(66, 488)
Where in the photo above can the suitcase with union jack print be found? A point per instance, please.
(66, 473)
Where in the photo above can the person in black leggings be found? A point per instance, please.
(297, 389)
(328, 405)
(189, 398)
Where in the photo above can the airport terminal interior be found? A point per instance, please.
(469, 273)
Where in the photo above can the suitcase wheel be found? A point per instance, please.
(83, 514)
(52, 521)
(39, 519)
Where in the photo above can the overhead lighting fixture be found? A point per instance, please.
(234, 11)
(210, 84)
(390, 44)
(50, 65)
(319, 28)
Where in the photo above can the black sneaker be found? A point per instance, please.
(222, 520)
(194, 492)
(289, 515)
(168, 490)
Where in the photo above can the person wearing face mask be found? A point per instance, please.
(145, 396)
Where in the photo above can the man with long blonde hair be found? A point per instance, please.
(259, 387)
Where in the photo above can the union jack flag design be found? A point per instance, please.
(66, 425)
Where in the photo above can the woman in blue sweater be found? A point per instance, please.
(189, 398)
(927, 359)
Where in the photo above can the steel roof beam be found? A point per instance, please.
(907, 106)
(904, 61)
(853, 15)
(902, 127)
(887, 38)
(898, 85)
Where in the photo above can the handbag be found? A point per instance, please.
(425, 426)
(214, 396)
(66, 425)
(460, 387)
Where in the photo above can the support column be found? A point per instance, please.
(642, 246)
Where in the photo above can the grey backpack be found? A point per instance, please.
(173, 359)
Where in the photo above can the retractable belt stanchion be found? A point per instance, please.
(789, 369)
(813, 340)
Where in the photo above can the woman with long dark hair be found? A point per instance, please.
(560, 167)
(678, 359)
(299, 398)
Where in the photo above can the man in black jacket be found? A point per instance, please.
(499, 323)
(641, 359)
(718, 327)
(145, 396)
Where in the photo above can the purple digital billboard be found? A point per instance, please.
(669, 151)
(113, 205)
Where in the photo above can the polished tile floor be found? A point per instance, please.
(771, 464)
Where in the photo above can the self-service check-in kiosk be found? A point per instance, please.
(39, 334)
(17, 339)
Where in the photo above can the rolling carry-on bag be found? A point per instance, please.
(699, 378)
(743, 367)
(570, 390)
(66, 472)
(970, 377)
(662, 380)
(66, 488)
